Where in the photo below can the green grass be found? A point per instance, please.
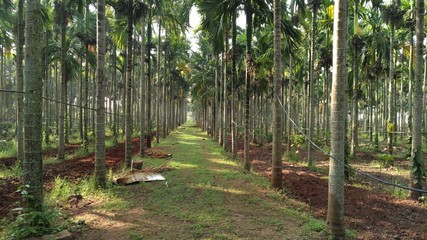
(291, 156)
(8, 149)
(7, 172)
(111, 198)
(206, 186)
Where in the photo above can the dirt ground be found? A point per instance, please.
(374, 215)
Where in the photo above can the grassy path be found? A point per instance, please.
(206, 196)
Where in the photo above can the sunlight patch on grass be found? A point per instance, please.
(181, 165)
(223, 161)
(220, 189)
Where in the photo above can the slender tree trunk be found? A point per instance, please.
(355, 109)
(221, 101)
(390, 119)
(248, 11)
(417, 164)
(20, 81)
(149, 36)
(233, 82)
(80, 102)
(276, 170)
(100, 172)
(164, 125)
(216, 103)
(33, 85)
(311, 100)
(335, 213)
(48, 85)
(63, 105)
(115, 95)
(128, 115)
(158, 99)
(290, 97)
(226, 115)
(2, 80)
(142, 89)
(86, 100)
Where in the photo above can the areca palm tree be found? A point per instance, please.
(100, 172)
(392, 15)
(335, 213)
(315, 5)
(276, 174)
(143, 82)
(63, 12)
(20, 79)
(418, 171)
(32, 165)
(128, 106)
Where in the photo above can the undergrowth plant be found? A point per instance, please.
(31, 223)
(14, 171)
(291, 156)
(385, 160)
(8, 149)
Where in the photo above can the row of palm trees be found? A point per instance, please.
(233, 87)
(91, 63)
(238, 90)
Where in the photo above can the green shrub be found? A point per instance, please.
(385, 160)
(33, 224)
(297, 139)
(291, 156)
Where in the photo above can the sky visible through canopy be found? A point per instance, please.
(195, 19)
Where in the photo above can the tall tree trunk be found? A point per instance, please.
(32, 165)
(158, 99)
(216, 103)
(48, 84)
(100, 172)
(20, 81)
(233, 82)
(390, 118)
(311, 97)
(335, 213)
(142, 89)
(164, 125)
(355, 110)
(226, 115)
(276, 170)
(128, 115)
(115, 95)
(2, 80)
(80, 102)
(86, 99)
(290, 97)
(417, 163)
(249, 29)
(149, 36)
(63, 104)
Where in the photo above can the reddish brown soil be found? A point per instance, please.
(372, 214)
(72, 169)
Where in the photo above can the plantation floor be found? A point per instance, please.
(370, 209)
(205, 196)
(208, 196)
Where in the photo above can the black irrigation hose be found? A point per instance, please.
(57, 101)
(347, 165)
